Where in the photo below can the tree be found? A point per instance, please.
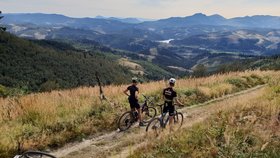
(2, 28)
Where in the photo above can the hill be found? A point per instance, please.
(176, 45)
(247, 126)
(259, 42)
(49, 120)
(257, 21)
(262, 63)
(43, 65)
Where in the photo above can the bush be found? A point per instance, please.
(3, 91)
(239, 83)
(49, 86)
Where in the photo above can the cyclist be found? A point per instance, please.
(169, 96)
(133, 98)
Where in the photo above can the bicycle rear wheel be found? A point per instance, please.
(154, 127)
(148, 114)
(125, 121)
(178, 121)
(36, 154)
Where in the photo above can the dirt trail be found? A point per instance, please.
(122, 144)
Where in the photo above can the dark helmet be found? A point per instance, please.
(134, 80)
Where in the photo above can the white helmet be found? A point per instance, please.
(172, 80)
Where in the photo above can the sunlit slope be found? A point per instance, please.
(43, 120)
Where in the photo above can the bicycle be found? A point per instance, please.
(159, 123)
(35, 154)
(130, 117)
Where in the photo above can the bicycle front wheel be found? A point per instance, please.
(148, 114)
(178, 120)
(154, 127)
(36, 154)
(125, 121)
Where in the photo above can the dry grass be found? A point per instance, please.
(250, 128)
(53, 118)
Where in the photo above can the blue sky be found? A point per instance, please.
(153, 9)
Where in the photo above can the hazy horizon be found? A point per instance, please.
(148, 9)
(132, 17)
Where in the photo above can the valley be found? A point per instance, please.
(54, 70)
(183, 42)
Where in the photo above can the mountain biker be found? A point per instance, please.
(169, 96)
(133, 98)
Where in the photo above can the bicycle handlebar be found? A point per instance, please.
(34, 153)
(146, 97)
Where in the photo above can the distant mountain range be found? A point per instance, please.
(175, 43)
(125, 20)
(32, 24)
(257, 21)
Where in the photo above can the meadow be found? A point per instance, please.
(51, 119)
(250, 128)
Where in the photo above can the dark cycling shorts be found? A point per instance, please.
(133, 103)
(169, 107)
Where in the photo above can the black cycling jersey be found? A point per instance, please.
(169, 94)
(132, 98)
(132, 90)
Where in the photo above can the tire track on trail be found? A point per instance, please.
(122, 144)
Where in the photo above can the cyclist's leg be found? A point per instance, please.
(138, 108)
(132, 107)
(165, 108)
(171, 110)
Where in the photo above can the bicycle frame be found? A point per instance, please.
(143, 107)
(162, 122)
(128, 118)
(145, 104)
(162, 116)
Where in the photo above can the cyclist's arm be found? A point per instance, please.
(162, 96)
(178, 102)
(125, 92)
(137, 94)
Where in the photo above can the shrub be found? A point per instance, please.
(239, 83)
(3, 91)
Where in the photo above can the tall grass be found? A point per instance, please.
(251, 128)
(51, 119)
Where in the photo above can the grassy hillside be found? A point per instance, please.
(44, 120)
(44, 66)
(262, 63)
(152, 70)
(28, 66)
(250, 129)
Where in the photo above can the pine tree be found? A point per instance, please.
(2, 28)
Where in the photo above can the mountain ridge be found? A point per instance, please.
(195, 19)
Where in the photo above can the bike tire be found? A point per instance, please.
(125, 121)
(154, 126)
(178, 120)
(148, 114)
(36, 154)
